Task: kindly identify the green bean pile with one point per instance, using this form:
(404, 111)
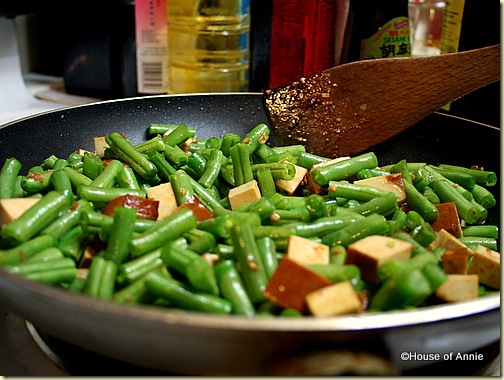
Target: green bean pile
(224, 262)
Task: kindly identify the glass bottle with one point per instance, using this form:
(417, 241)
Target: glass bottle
(378, 29)
(208, 45)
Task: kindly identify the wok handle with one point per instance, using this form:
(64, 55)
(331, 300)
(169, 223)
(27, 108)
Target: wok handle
(333, 362)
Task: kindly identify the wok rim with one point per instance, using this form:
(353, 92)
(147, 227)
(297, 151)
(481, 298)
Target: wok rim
(159, 315)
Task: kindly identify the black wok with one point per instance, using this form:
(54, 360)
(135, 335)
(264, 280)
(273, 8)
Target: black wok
(197, 344)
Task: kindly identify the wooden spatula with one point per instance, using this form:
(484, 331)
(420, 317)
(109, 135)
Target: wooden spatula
(347, 109)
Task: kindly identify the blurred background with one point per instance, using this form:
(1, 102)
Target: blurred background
(107, 49)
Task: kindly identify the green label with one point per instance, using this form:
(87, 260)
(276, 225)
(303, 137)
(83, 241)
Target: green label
(392, 40)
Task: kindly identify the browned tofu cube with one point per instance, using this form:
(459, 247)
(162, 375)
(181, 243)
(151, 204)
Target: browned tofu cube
(458, 287)
(448, 219)
(454, 260)
(336, 299)
(290, 284)
(305, 251)
(372, 251)
(486, 264)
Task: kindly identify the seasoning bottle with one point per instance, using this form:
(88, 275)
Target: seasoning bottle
(303, 38)
(467, 25)
(208, 45)
(378, 29)
(426, 22)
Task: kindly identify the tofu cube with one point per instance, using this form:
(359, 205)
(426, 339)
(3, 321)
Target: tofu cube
(446, 240)
(486, 264)
(246, 193)
(100, 145)
(390, 182)
(448, 219)
(372, 251)
(13, 208)
(305, 251)
(165, 195)
(336, 299)
(287, 290)
(459, 287)
(290, 186)
(454, 261)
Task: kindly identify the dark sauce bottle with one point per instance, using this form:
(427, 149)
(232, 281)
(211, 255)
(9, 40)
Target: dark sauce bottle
(377, 29)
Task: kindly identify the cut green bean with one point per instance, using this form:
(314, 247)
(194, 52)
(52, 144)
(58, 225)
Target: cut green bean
(8, 176)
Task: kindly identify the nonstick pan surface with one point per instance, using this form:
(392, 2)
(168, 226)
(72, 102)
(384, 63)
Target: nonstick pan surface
(197, 344)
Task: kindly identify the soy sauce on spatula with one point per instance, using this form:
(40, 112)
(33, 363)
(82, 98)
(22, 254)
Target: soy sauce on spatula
(347, 109)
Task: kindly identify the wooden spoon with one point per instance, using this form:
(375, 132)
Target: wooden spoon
(347, 109)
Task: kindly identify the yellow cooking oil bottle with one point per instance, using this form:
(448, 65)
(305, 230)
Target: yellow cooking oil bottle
(208, 45)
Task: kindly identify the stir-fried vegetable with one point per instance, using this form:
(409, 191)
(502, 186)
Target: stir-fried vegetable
(232, 225)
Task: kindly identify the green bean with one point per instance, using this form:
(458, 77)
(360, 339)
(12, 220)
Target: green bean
(228, 140)
(483, 197)
(466, 209)
(266, 182)
(49, 162)
(374, 224)
(435, 275)
(100, 281)
(178, 135)
(279, 170)
(206, 196)
(197, 162)
(26, 249)
(182, 297)
(92, 165)
(324, 225)
(343, 169)
(267, 250)
(127, 153)
(164, 168)
(385, 205)
(182, 186)
(417, 247)
(77, 179)
(256, 137)
(485, 230)
(74, 242)
(403, 168)
(198, 272)
(337, 273)
(130, 271)
(420, 203)
(212, 169)
(29, 267)
(155, 143)
(371, 173)
(249, 259)
(107, 178)
(408, 288)
(126, 178)
(136, 292)
(264, 153)
(61, 182)
(485, 241)
(481, 177)
(200, 241)
(165, 230)
(47, 254)
(242, 168)
(8, 177)
(53, 277)
(316, 206)
(35, 219)
(233, 289)
(121, 234)
(175, 155)
(307, 160)
(219, 226)
(37, 182)
(463, 179)
(100, 196)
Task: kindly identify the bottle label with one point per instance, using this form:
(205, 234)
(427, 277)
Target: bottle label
(392, 40)
(452, 25)
(151, 46)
